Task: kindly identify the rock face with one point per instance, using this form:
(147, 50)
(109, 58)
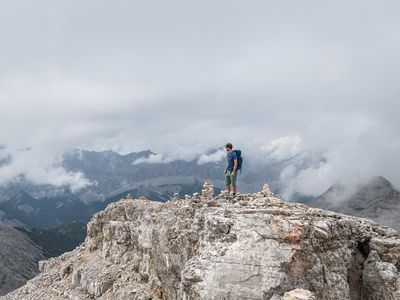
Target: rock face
(254, 246)
(375, 199)
(18, 259)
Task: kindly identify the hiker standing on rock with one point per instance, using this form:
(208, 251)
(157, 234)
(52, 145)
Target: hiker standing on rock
(234, 164)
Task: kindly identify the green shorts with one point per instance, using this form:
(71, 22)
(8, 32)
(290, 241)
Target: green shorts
(230, 179)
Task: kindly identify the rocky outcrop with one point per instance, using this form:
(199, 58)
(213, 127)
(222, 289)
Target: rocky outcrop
(252, 246)
(18, 259)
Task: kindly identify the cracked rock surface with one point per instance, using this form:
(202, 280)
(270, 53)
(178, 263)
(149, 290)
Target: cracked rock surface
(252, 246)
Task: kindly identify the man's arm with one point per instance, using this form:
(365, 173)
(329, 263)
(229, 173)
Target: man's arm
(235, 166)
(235, 161)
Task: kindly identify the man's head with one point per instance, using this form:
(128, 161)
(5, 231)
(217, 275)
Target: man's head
(228, 147)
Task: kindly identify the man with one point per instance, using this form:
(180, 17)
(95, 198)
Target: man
(231, 169)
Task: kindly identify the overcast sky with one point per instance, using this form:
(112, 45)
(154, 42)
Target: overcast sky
(180, 77)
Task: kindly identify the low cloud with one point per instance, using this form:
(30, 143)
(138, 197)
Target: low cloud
(354, 160)
(213, 157)
(152, 159)
(43, 170)
(284, 147)
(284, 82)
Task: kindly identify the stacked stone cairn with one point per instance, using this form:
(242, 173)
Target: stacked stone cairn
(175, 197)
(208, 190)
(266, 190)
(196, 197)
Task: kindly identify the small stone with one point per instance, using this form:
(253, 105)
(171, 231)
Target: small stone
(299, 294)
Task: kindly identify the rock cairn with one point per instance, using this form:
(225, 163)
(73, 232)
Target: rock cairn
(208, 190)
(175, 197)
(266, 189)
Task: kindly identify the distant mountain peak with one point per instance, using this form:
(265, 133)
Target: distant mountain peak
(379, 181)
(343, 188)
(18, 259)
(375, 198)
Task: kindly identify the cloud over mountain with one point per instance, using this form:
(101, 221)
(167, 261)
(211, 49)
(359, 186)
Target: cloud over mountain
(181, 78)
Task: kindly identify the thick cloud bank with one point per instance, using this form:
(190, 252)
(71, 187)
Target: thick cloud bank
(278, 79)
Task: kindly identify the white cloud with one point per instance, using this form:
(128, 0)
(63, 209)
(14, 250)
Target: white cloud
(310, 181)
(160, 77)
(213, 157)
(40, 169)
(284, 147)
(354, 160)
(152, 159)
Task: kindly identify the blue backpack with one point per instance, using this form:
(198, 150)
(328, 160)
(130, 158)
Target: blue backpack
(240, 159)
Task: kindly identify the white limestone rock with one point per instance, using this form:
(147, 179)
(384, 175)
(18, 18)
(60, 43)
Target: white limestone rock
(266, 249)
(299, 294)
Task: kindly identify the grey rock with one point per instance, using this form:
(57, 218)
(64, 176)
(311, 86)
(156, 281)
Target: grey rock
(380, 278)
(18, 259)
(299, 294)
(267, 249)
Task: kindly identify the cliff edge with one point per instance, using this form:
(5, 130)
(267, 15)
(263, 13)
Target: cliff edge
(252, 246)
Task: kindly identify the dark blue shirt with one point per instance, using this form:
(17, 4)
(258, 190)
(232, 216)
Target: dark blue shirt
(231, 156)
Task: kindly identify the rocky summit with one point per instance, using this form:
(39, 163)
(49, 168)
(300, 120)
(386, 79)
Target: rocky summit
(251, 246)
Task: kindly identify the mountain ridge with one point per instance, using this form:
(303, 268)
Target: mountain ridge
(376, 199)
(18, 259)
(251, 246)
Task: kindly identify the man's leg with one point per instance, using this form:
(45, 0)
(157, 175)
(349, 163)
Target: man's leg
(228, 182)
(234, 184)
